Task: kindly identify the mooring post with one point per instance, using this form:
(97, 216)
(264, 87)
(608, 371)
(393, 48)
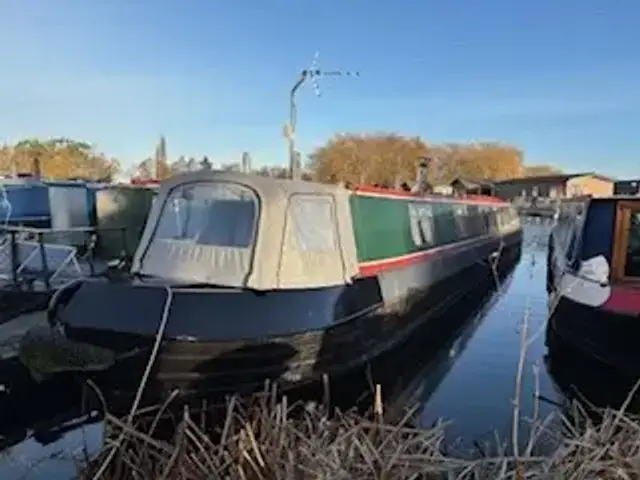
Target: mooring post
(91, 240)
(14, 258)
(43, 260)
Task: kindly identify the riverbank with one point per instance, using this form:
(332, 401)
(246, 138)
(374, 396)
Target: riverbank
(273, 440)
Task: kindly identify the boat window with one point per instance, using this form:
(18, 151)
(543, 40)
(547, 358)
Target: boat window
(444, 223)
(460, 216)
(492, 218)
(209, 213)
(599, 229)
(421, 224)
(484, 217)
(313, 221)
(625, 261)
(475, 221)
(632, 261)
(571, 253)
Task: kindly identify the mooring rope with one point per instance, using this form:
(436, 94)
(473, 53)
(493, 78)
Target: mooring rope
(143, 382)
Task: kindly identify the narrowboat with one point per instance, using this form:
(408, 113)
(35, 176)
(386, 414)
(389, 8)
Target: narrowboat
(593, 275)
(240, 278)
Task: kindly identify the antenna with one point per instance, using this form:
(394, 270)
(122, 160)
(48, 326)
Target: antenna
(313, 73)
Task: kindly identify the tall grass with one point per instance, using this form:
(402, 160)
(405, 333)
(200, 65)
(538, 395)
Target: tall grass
(269, 439)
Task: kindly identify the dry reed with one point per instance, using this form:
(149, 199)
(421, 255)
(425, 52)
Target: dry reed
(269, 439)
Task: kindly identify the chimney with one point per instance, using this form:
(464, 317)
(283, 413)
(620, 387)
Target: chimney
(36, 168)
(422, 186)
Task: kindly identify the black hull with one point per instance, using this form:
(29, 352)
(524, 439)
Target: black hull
(609, 338)
(581, 377)
(218, 368)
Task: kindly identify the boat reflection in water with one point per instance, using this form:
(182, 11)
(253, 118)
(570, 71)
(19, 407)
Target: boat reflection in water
(585, 380)
(408, 375)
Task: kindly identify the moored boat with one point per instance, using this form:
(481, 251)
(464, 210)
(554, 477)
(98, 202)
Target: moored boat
(593, 274)
(239, 278)
(54, 231)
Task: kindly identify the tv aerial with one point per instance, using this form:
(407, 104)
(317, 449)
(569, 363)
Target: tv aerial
(311, 74)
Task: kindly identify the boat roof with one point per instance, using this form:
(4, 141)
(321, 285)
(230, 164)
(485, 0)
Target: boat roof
(617, 197)
(257, 232)
(280, 221)
(391, 192)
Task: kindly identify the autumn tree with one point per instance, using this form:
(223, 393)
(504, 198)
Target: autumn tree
(388, 158)
(57, 158)
(368, 158)
(487, 161)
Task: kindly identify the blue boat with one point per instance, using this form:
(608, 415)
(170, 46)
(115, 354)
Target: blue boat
(24, 201)
(593, 275)
(56, 231)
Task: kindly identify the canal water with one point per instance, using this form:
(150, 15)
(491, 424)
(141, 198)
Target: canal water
(479, 392)
(471, 381)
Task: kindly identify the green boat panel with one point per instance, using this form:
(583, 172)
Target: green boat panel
(390, 226)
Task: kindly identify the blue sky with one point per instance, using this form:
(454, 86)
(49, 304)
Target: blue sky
(560, 79)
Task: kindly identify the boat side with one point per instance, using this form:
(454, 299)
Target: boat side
(594, 276)
(411, 243)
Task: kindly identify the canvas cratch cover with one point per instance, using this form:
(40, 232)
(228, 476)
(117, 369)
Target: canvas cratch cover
(237, 230)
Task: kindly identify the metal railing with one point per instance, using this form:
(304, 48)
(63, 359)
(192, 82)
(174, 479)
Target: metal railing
(29, 245)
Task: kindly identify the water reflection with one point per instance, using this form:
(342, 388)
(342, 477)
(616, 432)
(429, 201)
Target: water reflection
(412, 373)
(479, 392)
(47, 455)
(585, 380)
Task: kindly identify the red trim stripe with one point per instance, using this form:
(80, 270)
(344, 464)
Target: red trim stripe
(394, 193)
(624, 300)
(369, 269)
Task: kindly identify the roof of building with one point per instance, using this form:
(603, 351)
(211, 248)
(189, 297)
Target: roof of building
(560, 178)
(472, 182)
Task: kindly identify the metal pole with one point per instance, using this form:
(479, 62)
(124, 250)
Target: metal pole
(313, 73)
(44, 262)
(15, 263)
(294, 170)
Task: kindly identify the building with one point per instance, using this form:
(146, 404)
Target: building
(443, 189)
(468, 186)
(627, 187)
(555, 186)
